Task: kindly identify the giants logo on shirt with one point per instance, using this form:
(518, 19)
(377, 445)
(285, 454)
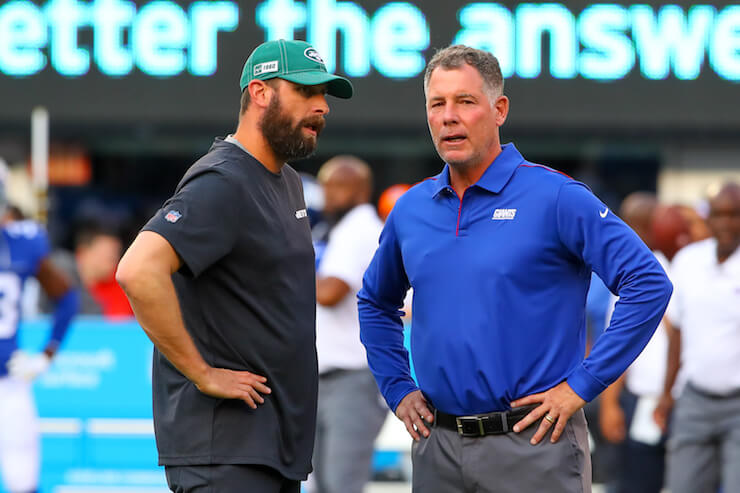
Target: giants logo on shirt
(503, 214)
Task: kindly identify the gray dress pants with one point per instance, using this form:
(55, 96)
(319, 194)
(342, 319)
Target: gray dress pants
(350, 415)
(704, 445)
(449, 463)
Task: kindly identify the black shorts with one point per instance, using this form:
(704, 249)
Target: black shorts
(228, 478)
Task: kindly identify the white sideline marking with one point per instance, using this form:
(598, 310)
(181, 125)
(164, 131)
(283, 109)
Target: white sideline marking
(108, 426)
(60, 426)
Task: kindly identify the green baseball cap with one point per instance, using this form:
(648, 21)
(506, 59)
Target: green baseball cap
(295, 61)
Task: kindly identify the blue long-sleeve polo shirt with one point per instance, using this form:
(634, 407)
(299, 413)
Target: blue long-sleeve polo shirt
(500, 279)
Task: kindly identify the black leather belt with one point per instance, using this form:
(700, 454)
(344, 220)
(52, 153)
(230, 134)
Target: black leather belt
(479, 425)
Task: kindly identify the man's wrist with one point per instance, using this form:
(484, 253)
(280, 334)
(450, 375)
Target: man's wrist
(200, 374)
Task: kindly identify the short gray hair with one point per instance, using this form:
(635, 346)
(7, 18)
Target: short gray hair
(484, 62)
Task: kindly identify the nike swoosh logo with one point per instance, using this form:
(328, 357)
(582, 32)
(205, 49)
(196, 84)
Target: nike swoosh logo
(603, 214)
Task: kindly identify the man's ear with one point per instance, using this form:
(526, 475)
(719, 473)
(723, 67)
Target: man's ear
(502, 110)
(260, 93)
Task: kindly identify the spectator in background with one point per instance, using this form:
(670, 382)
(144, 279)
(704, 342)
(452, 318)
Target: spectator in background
(704, 447)
(626, 407)
(351, 410)
(92, 266)
(97, 252)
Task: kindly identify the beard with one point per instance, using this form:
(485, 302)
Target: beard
(286, 140)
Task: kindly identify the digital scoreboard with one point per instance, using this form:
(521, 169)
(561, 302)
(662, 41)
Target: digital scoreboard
(611, 66)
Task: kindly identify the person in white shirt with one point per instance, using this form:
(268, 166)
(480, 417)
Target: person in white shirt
(351, 411)
(704, 446)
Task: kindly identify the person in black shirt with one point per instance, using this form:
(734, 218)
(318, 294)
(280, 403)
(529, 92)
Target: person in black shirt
(222, 281)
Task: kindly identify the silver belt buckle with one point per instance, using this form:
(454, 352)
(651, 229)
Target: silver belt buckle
(476, 419)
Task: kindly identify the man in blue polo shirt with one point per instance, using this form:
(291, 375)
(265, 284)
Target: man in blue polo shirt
(499, 252)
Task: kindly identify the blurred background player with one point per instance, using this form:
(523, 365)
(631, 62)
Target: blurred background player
(351, 411)
(24, 252)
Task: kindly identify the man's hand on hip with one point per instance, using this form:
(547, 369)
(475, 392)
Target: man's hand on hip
(556, 407)
(230, 384)
(413, 411)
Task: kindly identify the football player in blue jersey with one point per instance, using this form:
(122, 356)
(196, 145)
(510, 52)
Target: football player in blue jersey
(24, 252)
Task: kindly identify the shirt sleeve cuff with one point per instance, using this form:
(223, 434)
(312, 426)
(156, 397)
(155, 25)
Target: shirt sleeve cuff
(584, 384)
(398, 393)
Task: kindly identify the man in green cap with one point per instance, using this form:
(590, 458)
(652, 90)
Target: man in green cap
(222, 281)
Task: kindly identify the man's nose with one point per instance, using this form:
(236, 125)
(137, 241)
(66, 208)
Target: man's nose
(321, 106)
(450, 114)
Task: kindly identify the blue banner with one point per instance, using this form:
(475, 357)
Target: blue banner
(95, 410)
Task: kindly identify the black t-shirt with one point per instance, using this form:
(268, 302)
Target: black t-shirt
(247, 295)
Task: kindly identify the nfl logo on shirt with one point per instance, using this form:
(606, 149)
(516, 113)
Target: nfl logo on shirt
(504, 214)
(172, 216)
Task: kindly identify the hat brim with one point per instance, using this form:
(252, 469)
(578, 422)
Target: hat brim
(336, 86)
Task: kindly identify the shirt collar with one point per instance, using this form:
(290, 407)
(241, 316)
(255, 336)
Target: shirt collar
(495, 177)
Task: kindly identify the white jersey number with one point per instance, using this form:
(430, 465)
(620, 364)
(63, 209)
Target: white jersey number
(10, 293)
(22, 229)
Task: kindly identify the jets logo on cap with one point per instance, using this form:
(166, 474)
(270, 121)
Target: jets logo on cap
(312, 54)
(264, 68)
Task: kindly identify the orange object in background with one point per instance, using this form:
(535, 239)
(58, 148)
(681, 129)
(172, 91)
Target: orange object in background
(69, 166)
(389, 197)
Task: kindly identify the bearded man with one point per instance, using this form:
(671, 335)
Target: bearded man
(222, 281)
